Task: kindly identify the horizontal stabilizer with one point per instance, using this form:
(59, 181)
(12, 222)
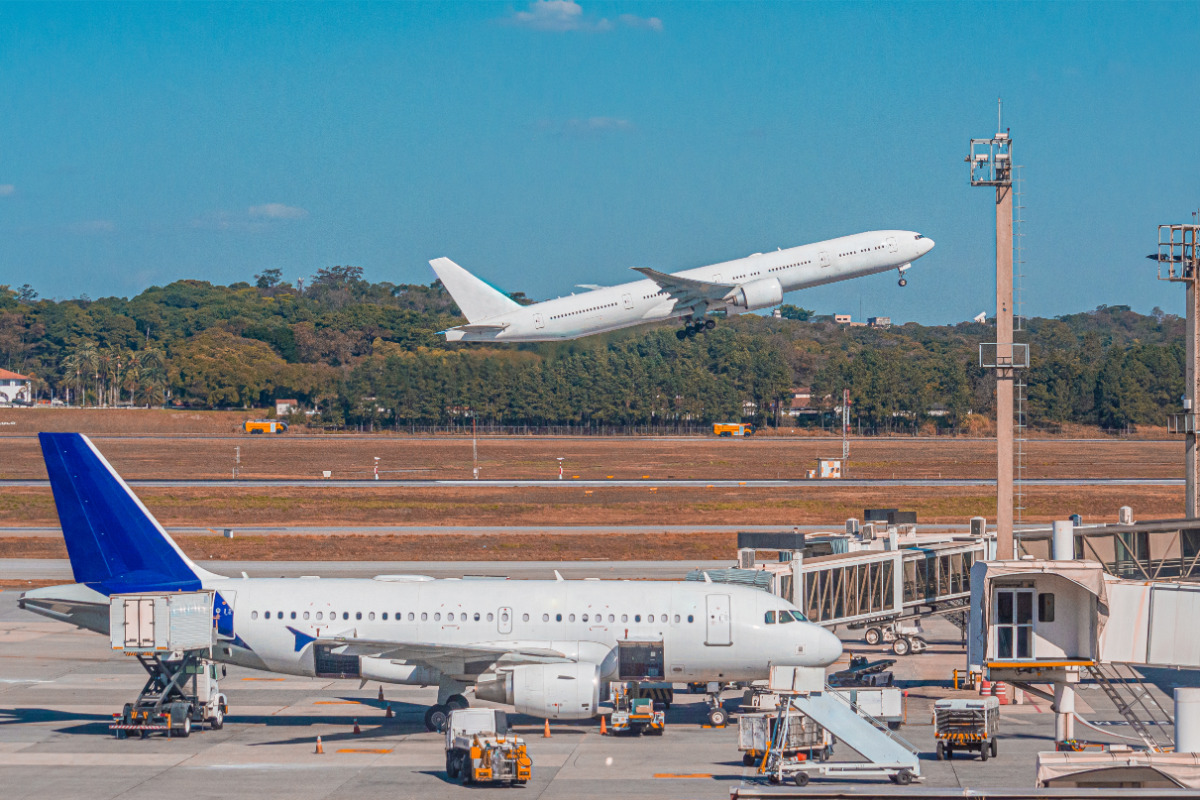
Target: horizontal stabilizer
(476, 299)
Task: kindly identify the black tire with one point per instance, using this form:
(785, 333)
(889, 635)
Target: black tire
(903, 778)
(455, 701)
(709, 324)
(689, 332)
(873, 636)
(717, 717)
(904, 282)
(800, 779)
(184, 730)
(681, 334)
(748, 760)
(901, 647)
(217, 720)
(949, 752)
(773, 779)
(995, 748)
(436, 717)
(941, 751)
(983, 753)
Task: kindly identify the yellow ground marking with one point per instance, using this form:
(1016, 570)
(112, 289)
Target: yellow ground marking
(364, 750)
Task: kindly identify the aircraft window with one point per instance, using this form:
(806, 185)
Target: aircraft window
(477, 616)
(306, 615)
(358, 615)
(624, 618)
(266, 615)
(504, 617)
(524, 618)
(676, 618)
(253, 615)
(690, 619)
(450, 616)
(611, 618)
(345, 615)
(384, 617)
(545, 617)
(637, 617)
(424, 616)
(570, 618)
(558, 617)
(489, 617)
(371, 615)
(278, 615)
(293, 615)
(785, 617)
(769, 617)
(437, 616)
(650, 618)
(320, 615)
(411, 616)
(585, 616)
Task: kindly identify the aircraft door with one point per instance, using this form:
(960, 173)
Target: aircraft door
(627, 299)
(504, 620)
(719, 624)
(891, 243)
(538, 322)
(223, 612)
(823, 257)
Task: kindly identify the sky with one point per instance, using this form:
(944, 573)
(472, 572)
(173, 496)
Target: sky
(547, 144)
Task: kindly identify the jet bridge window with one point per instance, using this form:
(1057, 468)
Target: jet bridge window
(1045, 605)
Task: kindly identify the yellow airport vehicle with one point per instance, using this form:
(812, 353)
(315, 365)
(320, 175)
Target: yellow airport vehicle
(634, 713)
(733, 429)
(264, 426)
(966, 724)
(480, 749)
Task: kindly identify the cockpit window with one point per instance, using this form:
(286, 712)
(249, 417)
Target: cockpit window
(919, 236)
(785, 616)
(769, 617)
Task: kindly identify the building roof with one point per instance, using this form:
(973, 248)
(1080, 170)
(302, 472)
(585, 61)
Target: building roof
(13, 376)
(286, 400)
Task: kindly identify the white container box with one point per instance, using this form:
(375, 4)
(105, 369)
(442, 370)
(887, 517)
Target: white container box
(161, 621)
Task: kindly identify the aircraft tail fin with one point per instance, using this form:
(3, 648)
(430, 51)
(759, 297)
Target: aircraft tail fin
(115, 544)
(477, 299)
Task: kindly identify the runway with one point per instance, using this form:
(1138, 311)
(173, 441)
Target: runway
(623, 483)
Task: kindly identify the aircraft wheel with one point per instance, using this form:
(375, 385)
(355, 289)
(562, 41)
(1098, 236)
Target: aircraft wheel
(873, 636)
(689, 332)
(901, 647)
(681, 334)
(903, 282)
(436, 718)
(457, 701)
(709, 324)
(717, 717)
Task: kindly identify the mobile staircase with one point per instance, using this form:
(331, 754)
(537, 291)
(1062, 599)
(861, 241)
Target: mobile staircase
(1136, 703)
(887, 754)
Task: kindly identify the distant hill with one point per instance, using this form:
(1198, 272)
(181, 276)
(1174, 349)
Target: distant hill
(369, 352)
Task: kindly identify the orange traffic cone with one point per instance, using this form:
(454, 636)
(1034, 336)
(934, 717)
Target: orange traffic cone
(380, 691)
(603, 726)
(985, 688)
(356, 728)
(320, 749)
(388, 714)
(546, 732)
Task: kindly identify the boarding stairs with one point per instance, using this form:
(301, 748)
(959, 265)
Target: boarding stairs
(862, 733)
(1136, 703)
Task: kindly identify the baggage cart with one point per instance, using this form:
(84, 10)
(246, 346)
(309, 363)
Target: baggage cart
(966, 724)
(796, 734)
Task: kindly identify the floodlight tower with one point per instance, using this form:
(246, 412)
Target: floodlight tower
(991, 165)
(1179, 261)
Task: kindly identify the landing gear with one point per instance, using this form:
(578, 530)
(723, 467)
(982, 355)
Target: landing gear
(692, 328)
(437, 717)
(903, 282)
(455, 701)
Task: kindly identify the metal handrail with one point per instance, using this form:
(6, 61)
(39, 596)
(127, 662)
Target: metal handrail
(882, 726)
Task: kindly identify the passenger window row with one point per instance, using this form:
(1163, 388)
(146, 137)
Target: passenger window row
(463, 616)
(583, 311)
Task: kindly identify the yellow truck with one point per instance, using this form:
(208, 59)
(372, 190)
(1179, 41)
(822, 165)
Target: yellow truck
(481, 749)
(733, 429)
(264, 426)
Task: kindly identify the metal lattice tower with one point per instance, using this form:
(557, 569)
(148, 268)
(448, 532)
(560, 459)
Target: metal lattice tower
(1179, 261)
(1021, 419)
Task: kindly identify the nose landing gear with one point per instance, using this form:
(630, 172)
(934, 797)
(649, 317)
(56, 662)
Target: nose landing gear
(903, 281)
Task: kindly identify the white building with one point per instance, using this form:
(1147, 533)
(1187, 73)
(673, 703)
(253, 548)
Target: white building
(15, 388)
(285, 407)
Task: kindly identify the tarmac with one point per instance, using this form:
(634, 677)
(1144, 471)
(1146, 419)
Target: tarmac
(775, 483)
(59, 687)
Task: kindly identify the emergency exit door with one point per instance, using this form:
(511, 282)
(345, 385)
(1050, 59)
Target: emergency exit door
(718, 633)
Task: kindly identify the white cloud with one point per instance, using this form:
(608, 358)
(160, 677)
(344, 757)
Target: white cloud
(6, 189)
(277, 211)
(559, 16)
(91, 227)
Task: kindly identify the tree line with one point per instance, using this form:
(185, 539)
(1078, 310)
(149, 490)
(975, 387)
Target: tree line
(369, 353)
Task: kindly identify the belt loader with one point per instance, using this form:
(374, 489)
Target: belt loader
(480, 749)
(633, 713)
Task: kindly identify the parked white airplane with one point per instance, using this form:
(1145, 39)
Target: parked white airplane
(545, 647)
(735, 287)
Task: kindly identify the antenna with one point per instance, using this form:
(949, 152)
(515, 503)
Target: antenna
(999, 113)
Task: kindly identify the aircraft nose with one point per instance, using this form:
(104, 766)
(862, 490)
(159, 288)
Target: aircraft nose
(926, 245)
(829, 648)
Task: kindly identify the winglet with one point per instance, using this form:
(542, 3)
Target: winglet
(706, 578)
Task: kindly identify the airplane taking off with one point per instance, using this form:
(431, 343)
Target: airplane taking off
(544, 647)
(735, 287)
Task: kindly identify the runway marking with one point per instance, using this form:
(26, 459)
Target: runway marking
(336, 703)
(363, 750)
(263, 679)
(683, 775)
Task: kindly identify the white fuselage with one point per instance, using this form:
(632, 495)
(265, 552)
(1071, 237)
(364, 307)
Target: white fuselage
(623, 306)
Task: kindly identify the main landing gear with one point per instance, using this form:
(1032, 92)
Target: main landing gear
(692, 328)
(438, 715)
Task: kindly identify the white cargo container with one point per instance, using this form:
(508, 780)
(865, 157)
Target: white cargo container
(161, 622)
(884, 703)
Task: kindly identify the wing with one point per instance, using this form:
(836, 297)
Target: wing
(453, 659)
(689, 292)
(480, 327)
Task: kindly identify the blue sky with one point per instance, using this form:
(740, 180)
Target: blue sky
(552, 144)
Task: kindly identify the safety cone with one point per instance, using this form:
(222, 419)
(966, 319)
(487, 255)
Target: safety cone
(546, 731)
(389, 714)
(603, 726)
(356, 728)
(985, 688)
(320, 750)
(380, 691)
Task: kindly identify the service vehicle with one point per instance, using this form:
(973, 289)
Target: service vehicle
(480, 748)
(635, 713)
(733, 429)
(966, 724)
(795, 734)
(264, 426)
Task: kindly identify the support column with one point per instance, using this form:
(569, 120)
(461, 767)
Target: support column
(1004, 375)
(1191, 506)
(1064, 712)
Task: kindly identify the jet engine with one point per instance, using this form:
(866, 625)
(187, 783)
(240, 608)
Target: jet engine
(762, 293)
(552, 691)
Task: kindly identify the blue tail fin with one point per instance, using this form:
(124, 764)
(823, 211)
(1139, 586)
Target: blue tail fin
(115, 544)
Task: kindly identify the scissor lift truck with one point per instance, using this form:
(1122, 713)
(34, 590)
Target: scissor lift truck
(170, 634)
(480, 749)
(635, 714)
(966, 724)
